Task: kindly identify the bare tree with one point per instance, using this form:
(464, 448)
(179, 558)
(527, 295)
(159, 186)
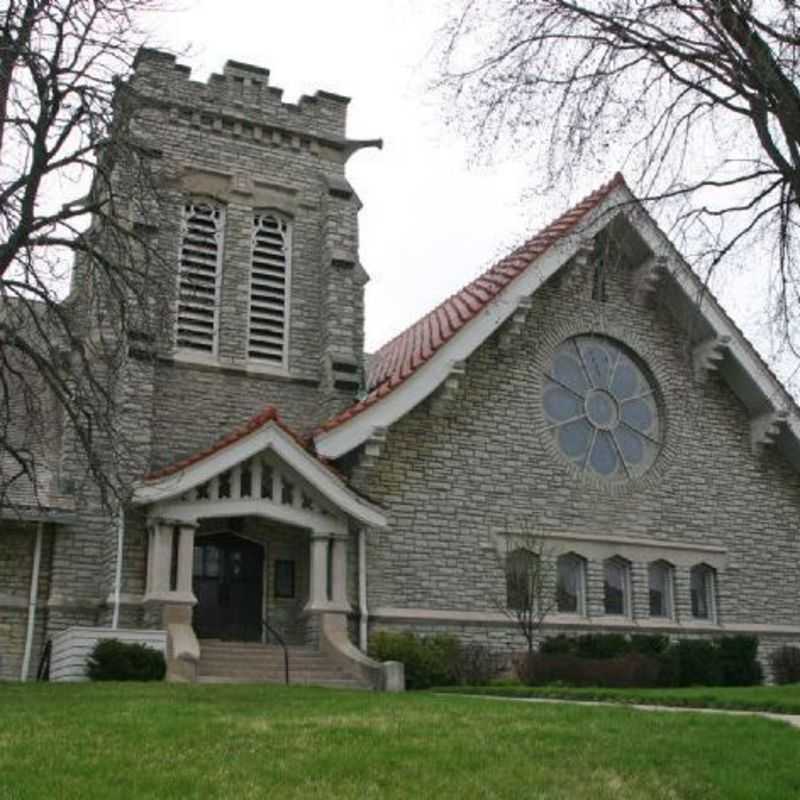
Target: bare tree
(76, 277)
(697, 102)
(530, 577)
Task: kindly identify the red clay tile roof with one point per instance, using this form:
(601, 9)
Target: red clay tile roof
(397, 360)
(268, 414)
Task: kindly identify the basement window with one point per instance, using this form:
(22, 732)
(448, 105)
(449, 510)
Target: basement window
(269, 286)
(199, 270)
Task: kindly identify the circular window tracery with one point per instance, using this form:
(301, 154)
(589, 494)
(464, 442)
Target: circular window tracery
(601, 408)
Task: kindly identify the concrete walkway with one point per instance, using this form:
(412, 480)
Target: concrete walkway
(789, 719)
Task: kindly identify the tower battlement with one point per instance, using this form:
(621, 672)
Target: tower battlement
(242, 92)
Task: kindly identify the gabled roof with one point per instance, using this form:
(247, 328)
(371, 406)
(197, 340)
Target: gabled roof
(414, 364)
(267, 414)
(169, 487)
(400, 358)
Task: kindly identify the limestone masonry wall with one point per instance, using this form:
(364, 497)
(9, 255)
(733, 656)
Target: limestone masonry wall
(452, 482)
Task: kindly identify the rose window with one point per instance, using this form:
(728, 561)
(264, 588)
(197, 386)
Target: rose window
(601, 409)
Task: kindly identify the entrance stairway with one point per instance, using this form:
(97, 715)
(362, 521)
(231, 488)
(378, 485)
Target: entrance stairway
(253, 662)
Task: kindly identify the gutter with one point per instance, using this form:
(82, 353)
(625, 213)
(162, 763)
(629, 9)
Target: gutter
(118, 569)
(34, 593)
(362, 590)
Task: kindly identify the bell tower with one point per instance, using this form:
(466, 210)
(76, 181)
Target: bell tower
(261, 224)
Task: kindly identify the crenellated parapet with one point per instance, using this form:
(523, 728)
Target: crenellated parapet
(241, 103)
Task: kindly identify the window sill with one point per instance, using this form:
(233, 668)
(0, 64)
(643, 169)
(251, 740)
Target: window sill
(238, 365)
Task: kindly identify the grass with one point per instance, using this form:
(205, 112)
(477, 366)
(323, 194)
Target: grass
(777, 699)
(177, 741)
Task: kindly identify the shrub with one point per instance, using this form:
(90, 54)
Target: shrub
(602, 645)
(785, 663)
(738, 662)
(605, 645)
(609, 657)
(429, 661)
(561, 644)
(629, 670)
(649, 644)
(112, 660)
(475, 665)
(698, 663)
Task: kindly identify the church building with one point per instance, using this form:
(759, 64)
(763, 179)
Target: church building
(586, 390)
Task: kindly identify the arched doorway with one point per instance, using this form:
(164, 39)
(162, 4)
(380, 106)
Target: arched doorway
(228, 582)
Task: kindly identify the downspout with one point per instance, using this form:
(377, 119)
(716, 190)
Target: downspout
(362, 590)
(118, 570)
(34, 593)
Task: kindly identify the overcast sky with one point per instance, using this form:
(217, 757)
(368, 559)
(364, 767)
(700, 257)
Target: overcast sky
(430, 221)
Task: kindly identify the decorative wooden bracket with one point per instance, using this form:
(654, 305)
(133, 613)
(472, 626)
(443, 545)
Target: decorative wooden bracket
(707, 355)
(647, 278)
(515, 323)
(584, 254)
(764, 429)
(443, 401)
(373, 448)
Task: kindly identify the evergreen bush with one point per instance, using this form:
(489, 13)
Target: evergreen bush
(785, 663)
(113, 660)
(738, 661)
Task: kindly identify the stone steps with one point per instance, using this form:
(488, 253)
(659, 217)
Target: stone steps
(253, 662)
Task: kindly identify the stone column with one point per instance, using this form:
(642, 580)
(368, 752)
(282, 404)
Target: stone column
(172, 608)
(159, 560)
(186, 558)
(339, 569)
(318, 568)
(160, 594)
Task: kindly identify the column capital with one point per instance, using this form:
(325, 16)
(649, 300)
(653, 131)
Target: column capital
(326, 534)
(172, 523)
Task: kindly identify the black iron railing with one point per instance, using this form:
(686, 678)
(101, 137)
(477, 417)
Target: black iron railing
(282, 643)
(43, 672)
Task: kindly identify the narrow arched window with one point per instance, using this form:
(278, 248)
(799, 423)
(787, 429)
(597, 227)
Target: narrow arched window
(702, 586)
(269, 289)
(199, 273)
(522, 571)
(659, 577)
(616, 586)
(570, 582)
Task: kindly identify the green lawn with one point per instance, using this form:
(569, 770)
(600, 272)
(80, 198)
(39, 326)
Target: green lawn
(172, 741)
(779, 699)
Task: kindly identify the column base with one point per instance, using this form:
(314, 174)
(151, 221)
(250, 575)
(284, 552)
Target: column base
(183, 649)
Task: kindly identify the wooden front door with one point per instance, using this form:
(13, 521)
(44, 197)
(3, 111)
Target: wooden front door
(229, 586)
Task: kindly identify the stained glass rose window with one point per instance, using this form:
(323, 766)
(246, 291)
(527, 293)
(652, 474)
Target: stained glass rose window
(600, 408)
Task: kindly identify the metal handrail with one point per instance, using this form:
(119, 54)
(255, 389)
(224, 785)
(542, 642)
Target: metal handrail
(43, 672)
(282, 643)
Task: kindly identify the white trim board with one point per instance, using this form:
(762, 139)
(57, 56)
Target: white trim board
(268, 437)
(642, 624)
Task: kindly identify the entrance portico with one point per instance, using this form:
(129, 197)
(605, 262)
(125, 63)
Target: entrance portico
(260, 474)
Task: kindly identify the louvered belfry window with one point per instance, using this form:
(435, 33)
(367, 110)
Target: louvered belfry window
(269, 282)
(200, 264)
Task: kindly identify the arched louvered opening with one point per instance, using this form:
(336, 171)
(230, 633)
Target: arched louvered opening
(198, 276)
(269, 286)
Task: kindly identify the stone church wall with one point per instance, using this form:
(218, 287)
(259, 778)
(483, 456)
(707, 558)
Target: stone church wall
(453, 481)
